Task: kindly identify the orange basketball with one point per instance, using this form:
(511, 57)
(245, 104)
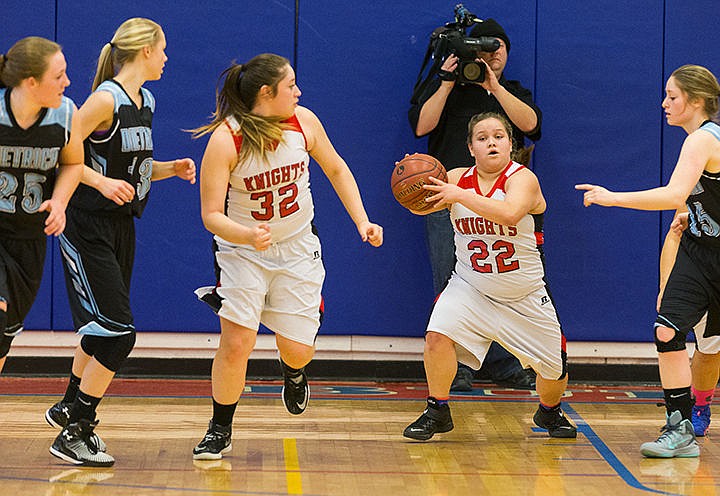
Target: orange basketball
(409, 176)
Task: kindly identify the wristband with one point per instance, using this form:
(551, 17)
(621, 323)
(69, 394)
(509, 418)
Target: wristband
(446, 75)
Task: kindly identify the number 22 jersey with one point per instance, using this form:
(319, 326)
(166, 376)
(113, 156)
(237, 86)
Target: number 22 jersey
(502, 262)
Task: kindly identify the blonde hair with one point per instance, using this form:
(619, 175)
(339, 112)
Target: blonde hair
(131, 37)
(238, 96)
(698, 83)
(27, 58)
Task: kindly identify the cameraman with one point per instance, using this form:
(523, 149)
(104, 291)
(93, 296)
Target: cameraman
(443, 111)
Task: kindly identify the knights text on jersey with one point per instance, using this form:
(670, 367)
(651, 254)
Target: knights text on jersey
(275, 190)
(502, 262)
(125, 151)
(28, 164)
(704, 202)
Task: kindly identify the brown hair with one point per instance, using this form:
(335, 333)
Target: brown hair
(131, 37)
(521, 155)
(27, 58)
(237, 97)
(698, 83)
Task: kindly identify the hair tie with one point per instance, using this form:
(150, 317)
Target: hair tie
(5, 58)
(112, 45)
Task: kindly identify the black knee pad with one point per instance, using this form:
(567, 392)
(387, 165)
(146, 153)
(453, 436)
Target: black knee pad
(677, 343)
(112, 351)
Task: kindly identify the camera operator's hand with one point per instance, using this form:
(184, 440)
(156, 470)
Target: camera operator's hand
(447, 70)
(490, 83)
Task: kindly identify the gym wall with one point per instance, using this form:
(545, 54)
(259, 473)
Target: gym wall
(597, 71)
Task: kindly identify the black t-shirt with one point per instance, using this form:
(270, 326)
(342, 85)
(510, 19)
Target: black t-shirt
(124, 152)
(448, 141)
(28, 164)
(703, 203)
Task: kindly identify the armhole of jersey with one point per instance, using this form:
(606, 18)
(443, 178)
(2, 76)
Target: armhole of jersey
(234, 128)
(712, 128)
(148, 99)
(294, 125)
(69, 110)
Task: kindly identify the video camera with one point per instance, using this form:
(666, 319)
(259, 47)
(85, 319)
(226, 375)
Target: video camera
(451, 39)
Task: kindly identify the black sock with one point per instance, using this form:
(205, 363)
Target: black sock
(223, 414)
(679, 399)
(72, 389)
(550, 409)
(436, 403)
(292, 373)
(83, 407)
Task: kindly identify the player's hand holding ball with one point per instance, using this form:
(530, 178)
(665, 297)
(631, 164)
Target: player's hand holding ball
(409, 177)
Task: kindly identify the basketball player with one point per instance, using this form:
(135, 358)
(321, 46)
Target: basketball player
(497, 291)
(705, 363)
(98, 246)
(255, 196)
(40, 166)
(691, 290)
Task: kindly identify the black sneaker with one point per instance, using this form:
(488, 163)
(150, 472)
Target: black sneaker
(555, 422)
(58, 416)
(522, 379)
(295, 391)
(434, 420)
(217, 441)
(463, 381)
(74, 444)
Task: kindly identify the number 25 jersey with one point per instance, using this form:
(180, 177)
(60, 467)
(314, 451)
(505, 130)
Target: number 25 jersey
(502, 262)
(28, 164)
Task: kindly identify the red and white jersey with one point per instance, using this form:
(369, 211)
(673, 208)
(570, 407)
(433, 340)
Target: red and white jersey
(502, 262)
(276, 189)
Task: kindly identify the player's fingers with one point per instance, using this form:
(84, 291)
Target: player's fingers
(586, 187)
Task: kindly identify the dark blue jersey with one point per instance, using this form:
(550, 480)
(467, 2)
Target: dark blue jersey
(704, 203)
(28, 164)
(125, 151)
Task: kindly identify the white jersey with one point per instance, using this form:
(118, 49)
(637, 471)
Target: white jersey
(276, 189)
(502, 262)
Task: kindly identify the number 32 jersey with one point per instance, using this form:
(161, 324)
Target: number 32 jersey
(502, 262)
(28, 164)
(276, 189)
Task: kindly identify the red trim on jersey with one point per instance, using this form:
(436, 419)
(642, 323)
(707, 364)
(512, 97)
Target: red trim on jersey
(468, 180)
(500, 182)
(293, 124)
(237, 138)
(539, 238)
(563, 342)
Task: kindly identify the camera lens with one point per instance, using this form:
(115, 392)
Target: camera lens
(474, 72)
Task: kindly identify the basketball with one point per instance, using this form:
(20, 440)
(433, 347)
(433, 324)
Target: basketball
(409, 176)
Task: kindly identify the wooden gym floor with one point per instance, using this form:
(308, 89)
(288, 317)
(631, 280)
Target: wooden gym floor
(349, 442)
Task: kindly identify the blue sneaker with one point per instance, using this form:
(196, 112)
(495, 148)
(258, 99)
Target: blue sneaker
(701, 419)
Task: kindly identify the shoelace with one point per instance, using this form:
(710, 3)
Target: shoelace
(213, 436)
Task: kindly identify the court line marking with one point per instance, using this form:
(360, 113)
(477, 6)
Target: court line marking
(292, 467)
(607, 454)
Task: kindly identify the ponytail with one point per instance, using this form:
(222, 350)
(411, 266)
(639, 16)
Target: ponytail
(241, 85)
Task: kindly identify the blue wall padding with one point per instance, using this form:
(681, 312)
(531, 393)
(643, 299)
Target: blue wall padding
(597, 71)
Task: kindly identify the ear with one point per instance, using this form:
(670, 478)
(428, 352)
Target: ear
(471, 150)
(265, 91)
(147, 50)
